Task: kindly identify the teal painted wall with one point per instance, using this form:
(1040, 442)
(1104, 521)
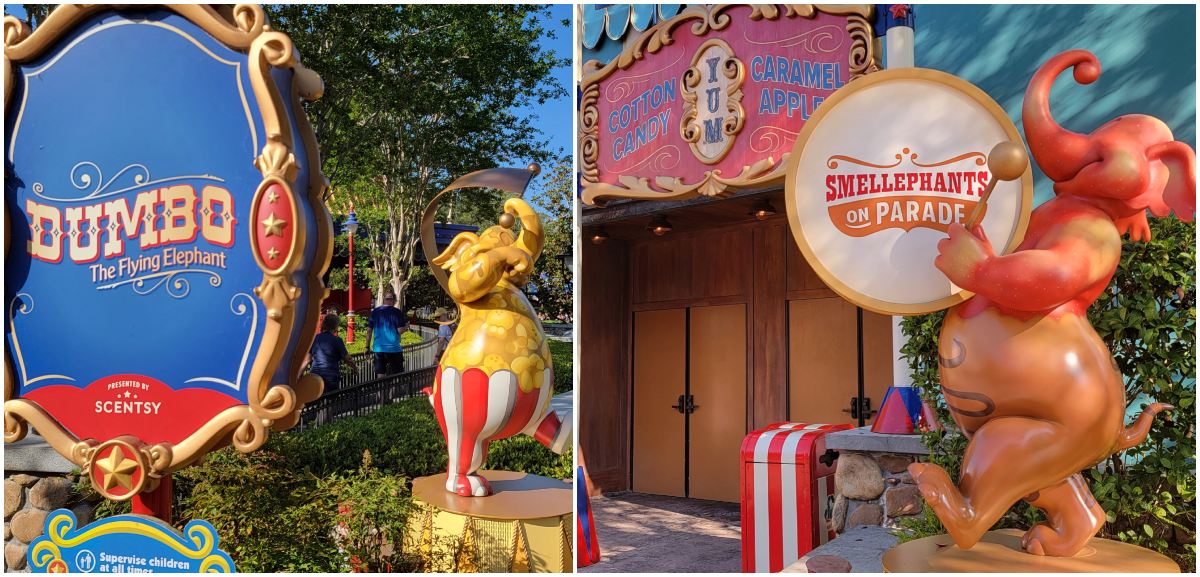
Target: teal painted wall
(1147, 56)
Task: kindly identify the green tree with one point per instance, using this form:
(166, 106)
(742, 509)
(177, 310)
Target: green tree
(415, 97)
(552, 280)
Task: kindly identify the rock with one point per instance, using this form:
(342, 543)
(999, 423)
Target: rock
(893, 463)
(14, 556)
(7, 532)
(858, 477)
(827, 564)
(50, 493)
(23, 479)
(903, 500)
(14, 498)
(866, 514)
(839, 513)
(27, 524)
(84, 512)
(906, 478)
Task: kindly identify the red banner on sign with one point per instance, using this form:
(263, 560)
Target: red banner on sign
(716, 104)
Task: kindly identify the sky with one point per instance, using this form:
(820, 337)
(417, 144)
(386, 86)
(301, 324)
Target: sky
(554, 117)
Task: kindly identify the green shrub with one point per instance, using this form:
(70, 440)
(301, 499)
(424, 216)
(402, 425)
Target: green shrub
(277, 509)
(270, 516)
(562, 358)
(373, 513)
(1148, 320)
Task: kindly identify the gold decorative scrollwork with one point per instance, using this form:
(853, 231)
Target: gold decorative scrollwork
(703, 19)
(691, 127)
(243, 27)
(862, 47)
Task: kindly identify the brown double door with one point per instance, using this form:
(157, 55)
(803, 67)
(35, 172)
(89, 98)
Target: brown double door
(689, 401)
(823, 361)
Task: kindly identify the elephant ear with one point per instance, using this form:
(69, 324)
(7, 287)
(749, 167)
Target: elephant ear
(449, 257)
(1179, 193)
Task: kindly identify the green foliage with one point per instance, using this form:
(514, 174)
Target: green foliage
(1148, 320)
(551, 281)
(270, 516)
(562, 361)
(374, 510)
(524, 453)
(416, 96)
(332, 497)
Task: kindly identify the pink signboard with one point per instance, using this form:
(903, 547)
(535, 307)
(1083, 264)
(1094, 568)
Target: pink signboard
(714, 98)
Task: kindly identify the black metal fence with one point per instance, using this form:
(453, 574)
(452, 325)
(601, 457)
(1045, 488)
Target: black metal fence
(362, 365)
(360, 399)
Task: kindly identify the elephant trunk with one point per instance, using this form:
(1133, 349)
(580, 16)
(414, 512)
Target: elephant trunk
(531, 238)
(1059, 152)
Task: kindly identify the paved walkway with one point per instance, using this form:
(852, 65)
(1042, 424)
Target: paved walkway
(641, 533)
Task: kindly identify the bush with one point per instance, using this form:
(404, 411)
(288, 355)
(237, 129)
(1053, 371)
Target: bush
(562, 358)
(1148, 320)
(330, 498)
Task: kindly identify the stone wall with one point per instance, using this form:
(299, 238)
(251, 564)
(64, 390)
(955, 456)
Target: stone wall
(36, 481)
(873, 487)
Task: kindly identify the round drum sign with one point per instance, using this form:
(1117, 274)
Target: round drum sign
(881, 171)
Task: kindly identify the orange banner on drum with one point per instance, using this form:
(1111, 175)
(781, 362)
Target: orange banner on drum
(868, 216)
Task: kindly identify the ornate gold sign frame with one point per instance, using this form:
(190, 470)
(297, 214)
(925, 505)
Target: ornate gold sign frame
(733, 69)
(703, 19)
(244, 28)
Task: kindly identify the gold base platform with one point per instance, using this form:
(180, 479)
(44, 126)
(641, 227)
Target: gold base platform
(526, 525)
(1001, 552)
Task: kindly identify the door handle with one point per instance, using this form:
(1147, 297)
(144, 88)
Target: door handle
(866, 409)
(686, 405)
(860, 406)
(682, 404)
(853, 410)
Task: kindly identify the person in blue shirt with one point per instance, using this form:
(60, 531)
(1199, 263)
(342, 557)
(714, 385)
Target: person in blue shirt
(385, 326)
(327, 354)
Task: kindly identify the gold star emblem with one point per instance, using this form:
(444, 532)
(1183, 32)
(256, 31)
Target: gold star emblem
(117, 469)
(272, 254)
(272, 197)
(274, 225)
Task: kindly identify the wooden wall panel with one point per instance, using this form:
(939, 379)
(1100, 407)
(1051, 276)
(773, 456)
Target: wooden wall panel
(802, 281)
(768, 392)
(721, 263)
(662, 269)
(603, 388)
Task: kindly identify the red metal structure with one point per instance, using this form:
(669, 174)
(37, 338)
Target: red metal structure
(787, 494)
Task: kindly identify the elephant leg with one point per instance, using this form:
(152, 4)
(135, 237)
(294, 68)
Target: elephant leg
(1073, 517)
(1007, 459)
(554, 433)
(462, 404)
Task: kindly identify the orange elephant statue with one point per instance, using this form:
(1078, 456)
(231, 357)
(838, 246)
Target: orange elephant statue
(1024, 374)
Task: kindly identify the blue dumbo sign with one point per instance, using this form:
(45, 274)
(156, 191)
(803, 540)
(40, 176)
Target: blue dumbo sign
(126, 544)
(166, 235)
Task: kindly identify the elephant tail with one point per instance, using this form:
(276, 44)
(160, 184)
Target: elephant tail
(1136, 433)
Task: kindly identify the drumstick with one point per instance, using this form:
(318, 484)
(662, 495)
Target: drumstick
(1006, 161)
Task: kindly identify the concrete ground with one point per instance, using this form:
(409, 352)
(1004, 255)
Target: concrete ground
(641, 533)
(863, 547)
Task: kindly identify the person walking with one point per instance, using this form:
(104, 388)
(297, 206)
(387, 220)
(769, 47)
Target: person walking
(327, 354)
(445, 330)
(384, 327)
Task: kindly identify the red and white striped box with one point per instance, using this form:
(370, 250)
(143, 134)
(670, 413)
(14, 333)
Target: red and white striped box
(787, 494)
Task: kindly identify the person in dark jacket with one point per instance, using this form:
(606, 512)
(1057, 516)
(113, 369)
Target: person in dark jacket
(327, 354)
